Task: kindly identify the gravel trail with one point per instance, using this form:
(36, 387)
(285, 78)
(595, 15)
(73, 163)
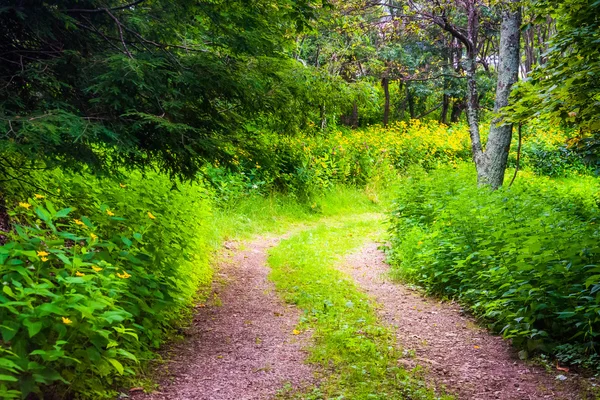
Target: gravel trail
(241, 344)
(455, 353)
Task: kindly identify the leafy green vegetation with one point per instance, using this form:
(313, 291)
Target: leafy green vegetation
(358, 355)
(524, 258)
(136, 136)
(90, 292)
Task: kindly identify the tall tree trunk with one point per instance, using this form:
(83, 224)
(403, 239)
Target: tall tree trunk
(354, 118)
(445, 106)
(491, 164)
(385, 83)
(410, 99)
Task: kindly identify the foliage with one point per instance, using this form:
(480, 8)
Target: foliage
(159, 83)
(565, 86)
(90, 292)
(308, 164)
(550, 150)
(524, 258)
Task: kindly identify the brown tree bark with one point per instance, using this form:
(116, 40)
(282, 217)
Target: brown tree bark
(354, 117)
(385, 83)
(457, 108)
(445, 106)
(491, 163)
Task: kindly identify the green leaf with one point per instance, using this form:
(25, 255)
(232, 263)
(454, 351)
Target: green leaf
(48, 308)
(8, 378)
(9, 329)
(118, 366)
(126, 241)
(9, 291)
(63, 213)
(33, 327)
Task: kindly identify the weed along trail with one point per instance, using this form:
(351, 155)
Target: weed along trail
(452, 349)
(241, 345)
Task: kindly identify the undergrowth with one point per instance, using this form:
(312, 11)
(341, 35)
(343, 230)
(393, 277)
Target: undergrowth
(525, 258)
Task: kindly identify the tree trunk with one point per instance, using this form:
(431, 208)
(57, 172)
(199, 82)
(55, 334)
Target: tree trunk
(385, 83)
(445, 106)
(411, 102)
(354, 118)
(457, 108)
(491, 164)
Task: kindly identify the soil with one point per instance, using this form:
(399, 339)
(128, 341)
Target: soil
(448, 344)
(241, 344)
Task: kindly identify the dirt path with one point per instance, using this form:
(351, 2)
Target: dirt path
(241, 345)
(455, 353)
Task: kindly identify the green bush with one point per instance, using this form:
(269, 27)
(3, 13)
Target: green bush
(89, 292)
(526, 259)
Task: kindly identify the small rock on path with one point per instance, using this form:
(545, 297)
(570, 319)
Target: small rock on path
(240, 347)
(455, 352)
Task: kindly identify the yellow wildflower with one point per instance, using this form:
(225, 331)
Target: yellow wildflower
(110, 213)
(44, 259)
(25, 205)
(122, 185)
(93, 236)
(78, 222)
(97, 269)
(66, 321)
(42, 253)
(296, 332)
(150, 215)
(124, 275)
(39, 196)
(79, 273)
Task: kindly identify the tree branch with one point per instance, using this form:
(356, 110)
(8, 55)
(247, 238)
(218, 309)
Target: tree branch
(99, 10)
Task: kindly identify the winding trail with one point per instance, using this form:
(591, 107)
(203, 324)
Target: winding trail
(456, 353)
(241, 344)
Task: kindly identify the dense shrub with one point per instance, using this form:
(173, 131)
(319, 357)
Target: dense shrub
(550, 150)
(526, 258)
(88, 292)
(308, 164)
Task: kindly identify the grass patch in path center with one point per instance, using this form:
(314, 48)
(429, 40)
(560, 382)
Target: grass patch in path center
(357, 355)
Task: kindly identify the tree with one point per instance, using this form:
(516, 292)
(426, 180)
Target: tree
(565, 85)
(159, 84)
(491, 161)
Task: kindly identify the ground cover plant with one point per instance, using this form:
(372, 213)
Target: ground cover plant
(523, 258)
(356, 352)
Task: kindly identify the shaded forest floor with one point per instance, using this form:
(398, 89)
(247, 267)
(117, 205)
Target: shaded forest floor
(258, 337)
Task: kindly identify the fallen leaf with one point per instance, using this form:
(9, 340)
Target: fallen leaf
(558, 367)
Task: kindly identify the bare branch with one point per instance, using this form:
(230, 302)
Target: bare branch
(119, 25)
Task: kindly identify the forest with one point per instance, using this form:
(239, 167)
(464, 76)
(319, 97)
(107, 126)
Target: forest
(299, 199)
